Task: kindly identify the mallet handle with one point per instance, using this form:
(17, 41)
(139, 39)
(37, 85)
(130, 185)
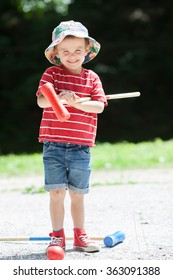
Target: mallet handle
(111, 96)
(37, 238)
(123, 95)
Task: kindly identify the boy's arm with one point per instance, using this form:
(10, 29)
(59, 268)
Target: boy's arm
(42, 101)
(91, 106)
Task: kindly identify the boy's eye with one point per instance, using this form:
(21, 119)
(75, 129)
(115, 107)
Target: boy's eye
(65, 52)
(76, 52)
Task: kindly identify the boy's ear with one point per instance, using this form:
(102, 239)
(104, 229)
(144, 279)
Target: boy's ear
(56, 52)
(87, 50)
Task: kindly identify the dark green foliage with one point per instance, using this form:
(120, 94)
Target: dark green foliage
(136, 55)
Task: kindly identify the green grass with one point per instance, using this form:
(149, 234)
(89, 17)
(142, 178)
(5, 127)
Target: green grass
(20, 165)
(130, 155)
(104, 156)
(33, 190)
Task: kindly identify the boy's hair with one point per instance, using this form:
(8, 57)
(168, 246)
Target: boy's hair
(72, 36)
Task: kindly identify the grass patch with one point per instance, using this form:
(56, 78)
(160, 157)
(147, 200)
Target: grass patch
(33, 190)
(21, 165)
(113, 183)
(130, 155)
(123, 155)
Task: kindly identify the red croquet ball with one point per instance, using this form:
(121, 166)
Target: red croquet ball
(55, 253)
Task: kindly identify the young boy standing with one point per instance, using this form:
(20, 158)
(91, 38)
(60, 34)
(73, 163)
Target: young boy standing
(66, 145)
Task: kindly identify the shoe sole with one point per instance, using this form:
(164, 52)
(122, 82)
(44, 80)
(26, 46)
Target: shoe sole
(88, 249)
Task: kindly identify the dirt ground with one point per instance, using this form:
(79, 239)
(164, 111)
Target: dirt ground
(137, 202)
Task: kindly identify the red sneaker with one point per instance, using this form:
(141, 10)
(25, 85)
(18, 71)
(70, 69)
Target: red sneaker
(83, 243)
(57, 239)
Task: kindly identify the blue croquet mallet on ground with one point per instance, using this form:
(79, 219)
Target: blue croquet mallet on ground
(114, 239)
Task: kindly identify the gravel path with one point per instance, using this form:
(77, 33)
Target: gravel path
(138, 202)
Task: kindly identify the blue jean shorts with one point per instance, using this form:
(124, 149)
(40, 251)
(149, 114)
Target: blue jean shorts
(66, 166)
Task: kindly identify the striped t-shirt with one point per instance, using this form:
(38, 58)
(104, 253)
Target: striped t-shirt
(81, 127)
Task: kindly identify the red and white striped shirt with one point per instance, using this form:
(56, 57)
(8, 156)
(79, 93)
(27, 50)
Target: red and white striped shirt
(81, 127)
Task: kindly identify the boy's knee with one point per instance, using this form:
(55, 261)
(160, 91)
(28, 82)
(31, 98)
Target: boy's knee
(76, 196)
(57, 195)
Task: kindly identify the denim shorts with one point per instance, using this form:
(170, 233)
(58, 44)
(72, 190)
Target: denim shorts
(66, 166)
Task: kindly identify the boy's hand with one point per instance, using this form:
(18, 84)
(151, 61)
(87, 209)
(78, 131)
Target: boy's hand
(69, 96)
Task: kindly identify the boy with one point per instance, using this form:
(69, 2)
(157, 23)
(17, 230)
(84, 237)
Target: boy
(66, 145)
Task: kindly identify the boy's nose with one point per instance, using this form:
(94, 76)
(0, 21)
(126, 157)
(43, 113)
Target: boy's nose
(72, 54)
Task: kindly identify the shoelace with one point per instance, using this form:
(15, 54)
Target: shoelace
(84, 238)
(56, 240)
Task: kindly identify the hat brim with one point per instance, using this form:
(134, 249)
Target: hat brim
(94, 48)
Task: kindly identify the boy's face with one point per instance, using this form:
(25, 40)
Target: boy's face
(72, 51)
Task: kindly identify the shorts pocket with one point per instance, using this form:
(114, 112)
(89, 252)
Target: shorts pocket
(85, 151)
(47, 146)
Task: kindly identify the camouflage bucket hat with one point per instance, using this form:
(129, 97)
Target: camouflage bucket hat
(75, 29)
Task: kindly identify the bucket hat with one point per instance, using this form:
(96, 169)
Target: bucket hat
(73, 28)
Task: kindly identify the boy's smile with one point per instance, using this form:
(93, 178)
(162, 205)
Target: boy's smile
(72, 51)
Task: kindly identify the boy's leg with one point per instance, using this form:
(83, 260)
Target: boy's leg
(77, 209)
(57, 208)
(81, 240)
(57, 218)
